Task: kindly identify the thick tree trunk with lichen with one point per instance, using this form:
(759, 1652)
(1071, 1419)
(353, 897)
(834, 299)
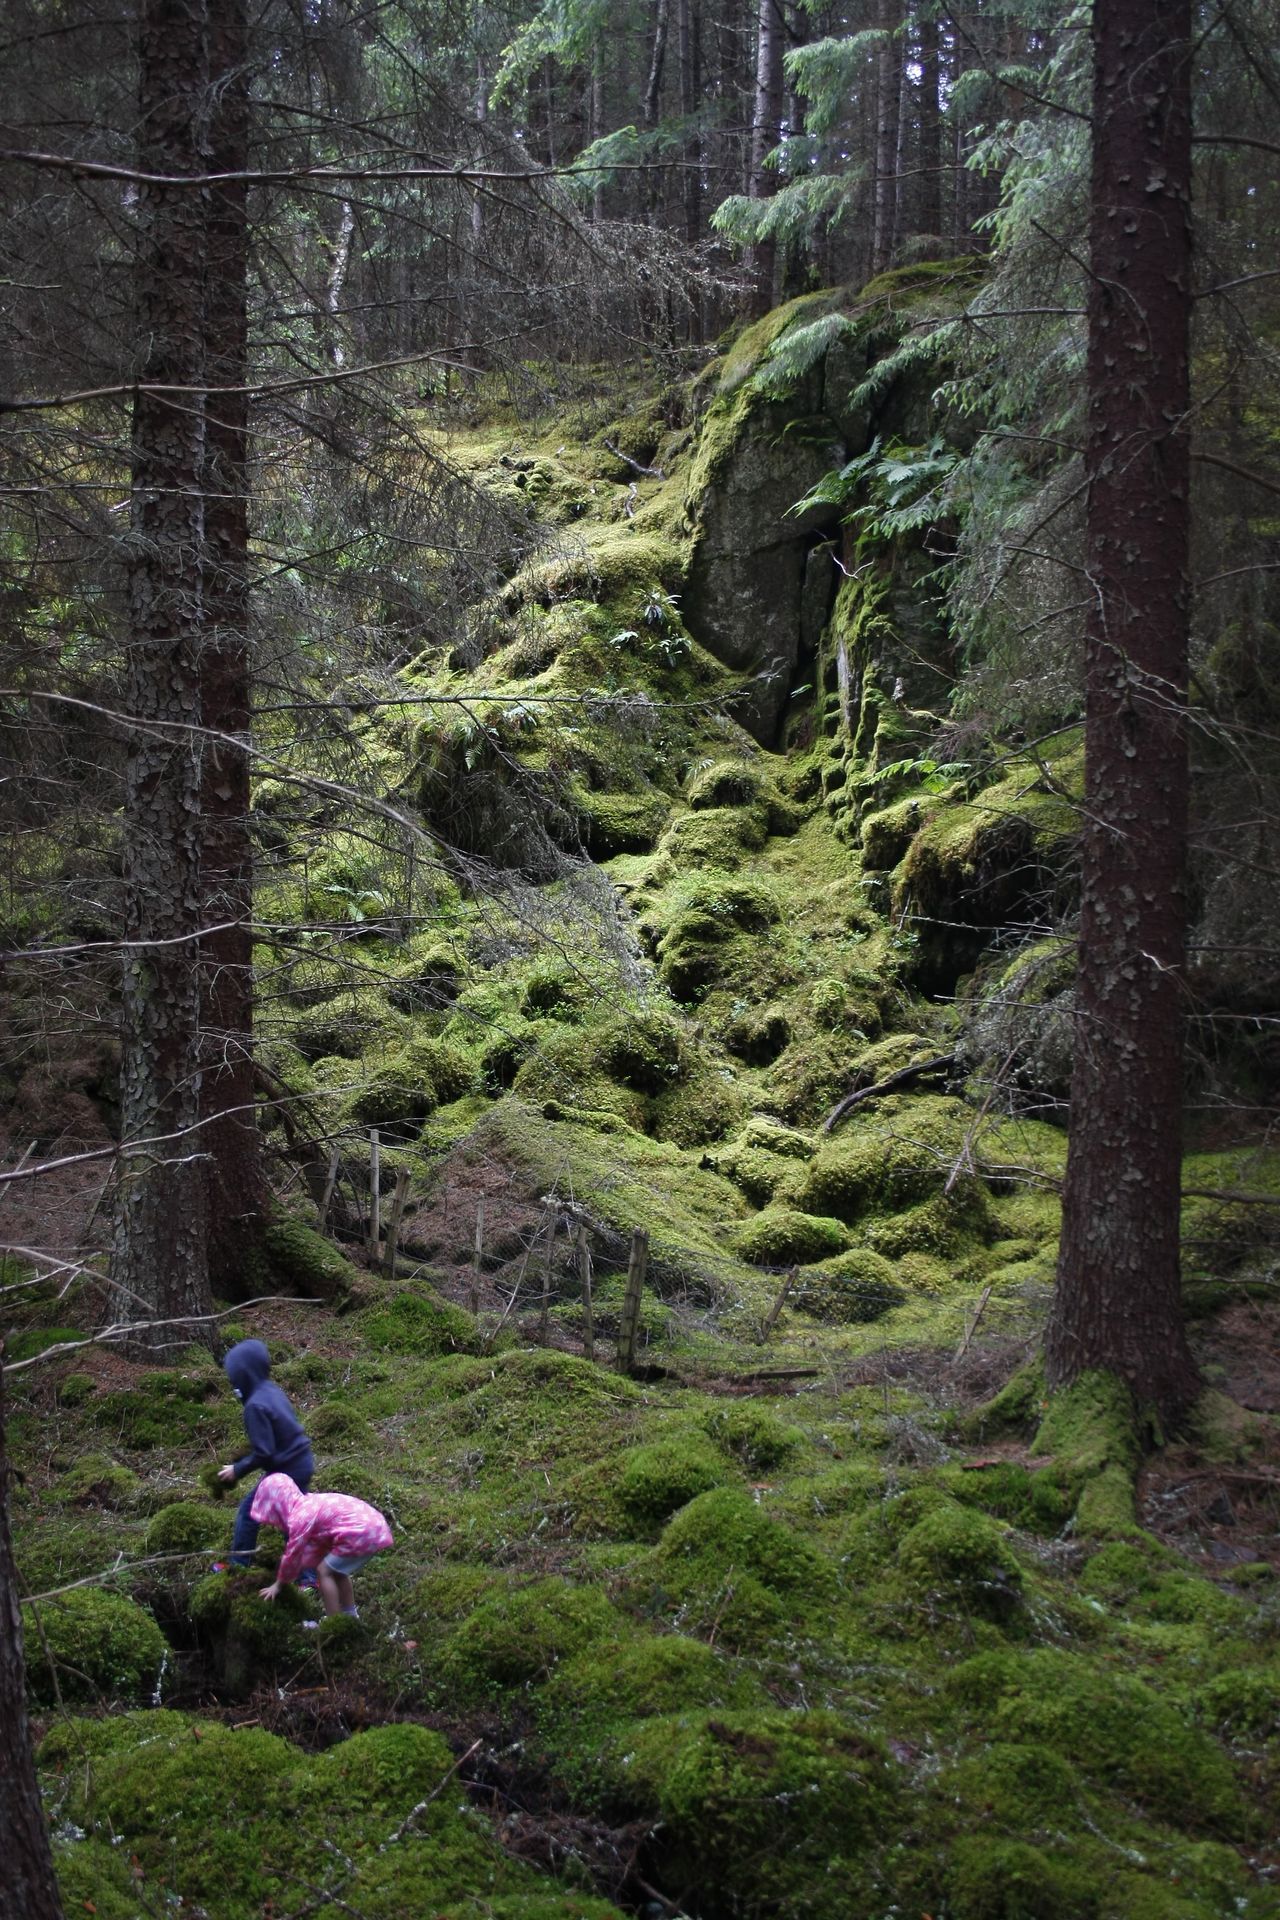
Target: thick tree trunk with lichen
(159, 1260)
(1118, 1304)
(235, 1187)
(28, 1890)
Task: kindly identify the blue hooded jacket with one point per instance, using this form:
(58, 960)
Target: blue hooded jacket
(277, 1441)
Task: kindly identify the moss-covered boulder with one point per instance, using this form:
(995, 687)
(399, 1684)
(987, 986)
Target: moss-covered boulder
(90, 1645)
(724, 1565)
(852, 1287)
(517, 1639)
(1109, 1724)
(251, 1639)
(419, 1323)
(766, 1813)
(96, 1480)
(189, 1528)
(367, 1822)
(781, 1236)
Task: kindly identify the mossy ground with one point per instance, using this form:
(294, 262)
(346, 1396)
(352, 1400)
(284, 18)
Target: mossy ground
(806, 1618)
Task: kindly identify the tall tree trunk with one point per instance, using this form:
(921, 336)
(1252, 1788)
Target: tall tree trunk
(766, 126)
(929, 200)
(235, 1187)
(657, 61)
(1118, 1302)
(28, 1890)
(159, 1260)
(888, 96)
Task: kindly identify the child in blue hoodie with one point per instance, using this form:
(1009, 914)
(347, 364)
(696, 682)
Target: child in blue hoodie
(277, 1443)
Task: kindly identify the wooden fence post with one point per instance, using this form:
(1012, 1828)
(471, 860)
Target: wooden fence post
(771, 1318)
(637, 1267)
(583, 1250)
(477, 1256)
(553, 1224)
(393, 1229)
(375, 1196)
(330, 1182)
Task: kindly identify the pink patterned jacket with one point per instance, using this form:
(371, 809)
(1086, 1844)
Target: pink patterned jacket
(316, 1523)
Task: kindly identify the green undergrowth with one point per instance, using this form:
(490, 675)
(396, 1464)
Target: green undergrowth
(786, 1620)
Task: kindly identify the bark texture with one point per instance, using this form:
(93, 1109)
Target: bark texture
(28, 1890)
(1118, 1302)
(159, 1266)
(766, 129)
(235, 1187)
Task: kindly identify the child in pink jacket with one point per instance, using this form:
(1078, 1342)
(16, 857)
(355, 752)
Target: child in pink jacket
(331, 1532)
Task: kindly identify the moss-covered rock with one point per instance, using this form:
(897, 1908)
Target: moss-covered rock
(169, 1409)
(853, 1287)
(421, 1324)
(1110, 1725)
(780, 1236)
(307, 1262)
(516, 1640)
(96, 1480)
(187, 1527)
(754, 1436)
(724, 1565)
(765, 1812)
(89, 1645)
(888, 1158)
(251, 1639)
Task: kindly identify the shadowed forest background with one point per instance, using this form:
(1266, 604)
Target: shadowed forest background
(638, 686)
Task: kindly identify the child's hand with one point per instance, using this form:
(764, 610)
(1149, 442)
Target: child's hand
(226, 1475)
(269, 1593)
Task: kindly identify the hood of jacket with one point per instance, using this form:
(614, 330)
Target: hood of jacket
(274, 1501)
(247, 1366)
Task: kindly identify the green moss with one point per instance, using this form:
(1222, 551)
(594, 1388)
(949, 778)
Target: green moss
(180, 1804)
(36, 1340)
(948, 1224)
(851, 1288)
(589, 1707)
(767, 1813)
(187, 1527)
(170, 1410)
(96, 1480)
(517, 1639)
(762, 1176)
(96, 1644)
(781, 1237)
(1113, 1727)
(1037, 1500)
(335, 1423)
(1010, 1880)
(420, 1324)
(754, 1436)
(651, 1482)
(251, 1639)
(1090, 1428)
(724, 1565)
(888, 1158)
(74, 1389)
(306, 1261)
(963, 1555)
(614, 565)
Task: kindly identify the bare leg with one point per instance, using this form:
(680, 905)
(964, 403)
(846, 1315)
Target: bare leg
(330, 1585)
(346, 1592)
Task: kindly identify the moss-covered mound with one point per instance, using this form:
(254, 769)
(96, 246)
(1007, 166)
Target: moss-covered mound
(90, 1645)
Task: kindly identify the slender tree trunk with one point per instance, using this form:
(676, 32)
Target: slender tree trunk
(930, 197)
(766, 126)
(235, 1187)
(159, 1263)
(28, 1889)
(657, 61)
(1118, 1302)
(887, 108)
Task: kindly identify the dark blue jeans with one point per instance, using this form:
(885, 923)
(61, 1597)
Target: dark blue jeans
(244, 1537)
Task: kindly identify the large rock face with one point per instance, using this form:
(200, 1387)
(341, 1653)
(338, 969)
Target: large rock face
(759, 588)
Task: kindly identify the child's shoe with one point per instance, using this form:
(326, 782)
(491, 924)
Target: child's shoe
(219, 1566)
